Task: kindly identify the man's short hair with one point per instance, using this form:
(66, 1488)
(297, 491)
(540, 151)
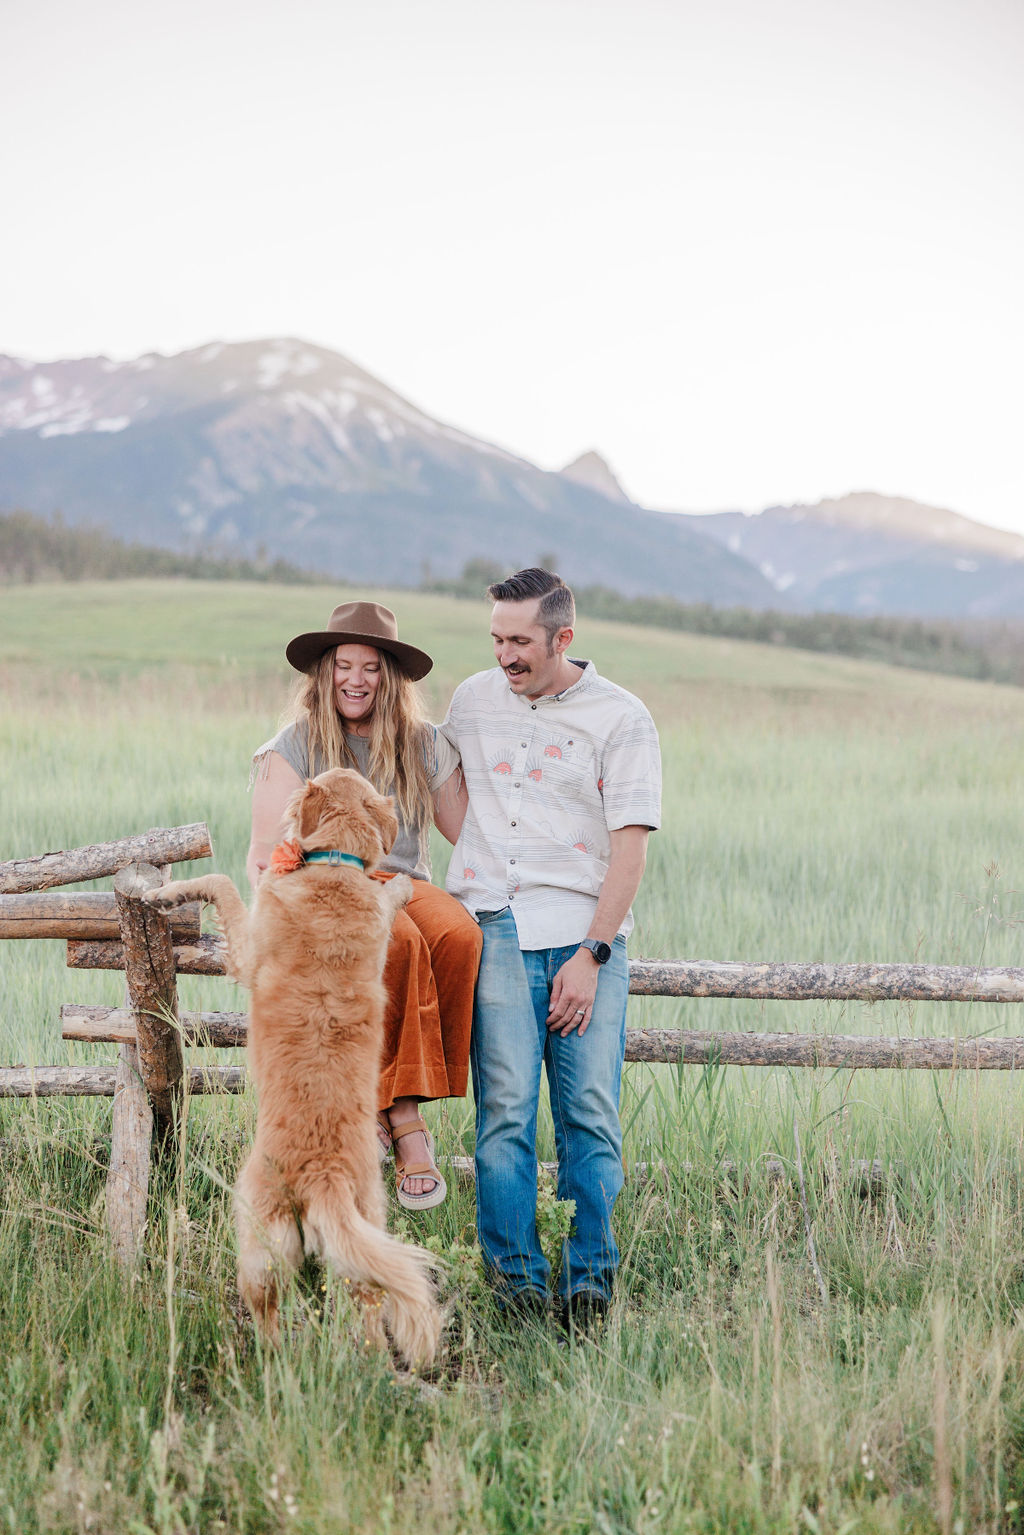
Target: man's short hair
(557, 608)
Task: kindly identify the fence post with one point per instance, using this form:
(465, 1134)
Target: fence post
(128, 1175)
(150, 972)
(147, 1098)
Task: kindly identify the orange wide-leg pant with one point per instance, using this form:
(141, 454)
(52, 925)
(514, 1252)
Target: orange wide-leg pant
(429, 977)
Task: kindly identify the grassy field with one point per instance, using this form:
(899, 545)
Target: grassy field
(815, 808)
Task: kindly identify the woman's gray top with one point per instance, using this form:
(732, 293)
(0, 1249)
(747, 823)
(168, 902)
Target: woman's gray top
(411, 852)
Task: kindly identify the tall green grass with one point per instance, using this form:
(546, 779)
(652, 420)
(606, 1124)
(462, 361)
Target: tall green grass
(815, 809)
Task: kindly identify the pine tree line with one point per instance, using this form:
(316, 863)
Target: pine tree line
(37, 549)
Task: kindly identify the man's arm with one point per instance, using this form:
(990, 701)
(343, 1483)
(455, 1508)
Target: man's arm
(575, 985)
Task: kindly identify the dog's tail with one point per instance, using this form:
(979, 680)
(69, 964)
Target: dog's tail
(361, 1252)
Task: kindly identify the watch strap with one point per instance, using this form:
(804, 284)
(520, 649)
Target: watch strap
(602, 952)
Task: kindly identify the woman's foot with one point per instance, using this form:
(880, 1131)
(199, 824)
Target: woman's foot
(420, 1185)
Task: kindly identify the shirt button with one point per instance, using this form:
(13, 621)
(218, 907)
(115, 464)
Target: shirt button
(522, 743)
(513, 823)
(533, 706)
(511, 860)
(516, 786)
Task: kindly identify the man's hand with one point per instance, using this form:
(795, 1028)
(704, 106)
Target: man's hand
(572, 994)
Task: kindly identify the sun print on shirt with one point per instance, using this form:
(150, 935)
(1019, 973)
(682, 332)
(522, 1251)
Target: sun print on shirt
(502, 763)
(582, 842)
(558, 748)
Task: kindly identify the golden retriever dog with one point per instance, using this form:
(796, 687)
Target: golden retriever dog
(311, 953)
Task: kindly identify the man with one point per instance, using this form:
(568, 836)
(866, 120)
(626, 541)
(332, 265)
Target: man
(564, 779)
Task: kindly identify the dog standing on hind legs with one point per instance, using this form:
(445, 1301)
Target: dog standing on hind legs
(311, 953)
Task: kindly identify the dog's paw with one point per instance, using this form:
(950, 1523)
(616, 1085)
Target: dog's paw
(165, 897)
(400, 888)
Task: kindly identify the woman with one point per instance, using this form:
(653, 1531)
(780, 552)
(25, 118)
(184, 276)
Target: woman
(359, 708)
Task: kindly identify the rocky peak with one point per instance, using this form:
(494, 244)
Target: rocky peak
(591, 470)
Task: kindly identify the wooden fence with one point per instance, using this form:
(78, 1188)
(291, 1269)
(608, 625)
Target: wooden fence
(116, 930)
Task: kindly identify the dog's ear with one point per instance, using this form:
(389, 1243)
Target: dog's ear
(381, 813)
(312, 804)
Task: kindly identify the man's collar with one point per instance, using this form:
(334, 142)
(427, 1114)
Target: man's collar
(585, 667)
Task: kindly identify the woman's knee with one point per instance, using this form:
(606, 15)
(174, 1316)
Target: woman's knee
(460, 940)
(405, 931)
(471, 941)
(407, 949)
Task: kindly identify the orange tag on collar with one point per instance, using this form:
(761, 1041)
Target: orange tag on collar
(286, 858)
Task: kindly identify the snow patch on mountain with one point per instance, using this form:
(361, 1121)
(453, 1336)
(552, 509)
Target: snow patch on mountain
(281, 361)
(66, 428)
(781, 580)
(320, 409)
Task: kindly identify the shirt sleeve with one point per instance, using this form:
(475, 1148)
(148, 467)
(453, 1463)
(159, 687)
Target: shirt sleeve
(442, 758)
(291, 743)
(631, 773)
(449, 726)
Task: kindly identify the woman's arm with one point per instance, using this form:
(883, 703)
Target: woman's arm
(450, 802)
(274, 787)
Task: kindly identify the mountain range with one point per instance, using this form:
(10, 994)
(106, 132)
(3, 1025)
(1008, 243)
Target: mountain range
(868, 553)
(287, 449)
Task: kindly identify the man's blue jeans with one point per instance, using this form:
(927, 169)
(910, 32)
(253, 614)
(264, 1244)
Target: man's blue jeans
(509, 1042)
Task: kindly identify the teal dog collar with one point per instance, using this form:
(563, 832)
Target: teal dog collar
(332, 856)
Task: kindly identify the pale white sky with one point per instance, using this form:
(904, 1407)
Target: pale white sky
(755, 251)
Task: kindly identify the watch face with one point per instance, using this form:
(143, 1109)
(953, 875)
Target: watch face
(602, 952)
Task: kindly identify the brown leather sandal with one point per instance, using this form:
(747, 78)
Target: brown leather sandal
(384, 1123)
(404, 1170)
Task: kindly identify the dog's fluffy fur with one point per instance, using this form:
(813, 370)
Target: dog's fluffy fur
(311, 954)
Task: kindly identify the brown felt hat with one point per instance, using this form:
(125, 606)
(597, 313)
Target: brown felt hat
(359, 623)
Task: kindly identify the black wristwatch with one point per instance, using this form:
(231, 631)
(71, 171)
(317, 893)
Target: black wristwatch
(602, 952)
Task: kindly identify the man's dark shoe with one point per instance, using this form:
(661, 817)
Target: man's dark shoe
(524, 1306)
(584, 1313)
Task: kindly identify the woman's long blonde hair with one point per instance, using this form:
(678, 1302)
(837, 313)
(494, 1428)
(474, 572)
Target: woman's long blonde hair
(398, 739)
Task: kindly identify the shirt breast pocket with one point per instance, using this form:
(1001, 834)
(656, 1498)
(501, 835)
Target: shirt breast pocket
(567, 770)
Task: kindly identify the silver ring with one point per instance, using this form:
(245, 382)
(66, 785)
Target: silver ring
(580, 1012)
